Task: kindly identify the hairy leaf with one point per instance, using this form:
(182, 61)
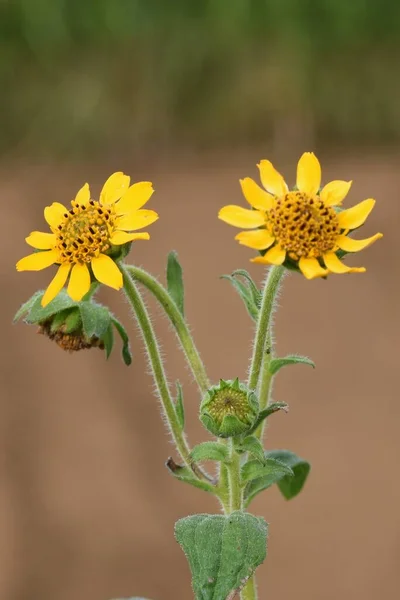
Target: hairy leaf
(175, 280)
(291, 486)
(291, 359)
(245, 295)
(253, 469)
(222, 551)
(126, 351)
(186, 475)
(253, 446)
(179, 407)
(210, 451)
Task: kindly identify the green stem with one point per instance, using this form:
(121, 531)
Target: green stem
(265, 383)
(156, 363)
(249, 591)
(235, 489)
(267, 305)
(178, 321)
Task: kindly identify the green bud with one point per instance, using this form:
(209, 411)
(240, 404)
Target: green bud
(229, 409)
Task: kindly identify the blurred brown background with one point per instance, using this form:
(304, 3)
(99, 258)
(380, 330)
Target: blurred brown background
(87, 507)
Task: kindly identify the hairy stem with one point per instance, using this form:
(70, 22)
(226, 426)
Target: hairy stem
(235, 489)
(267, 305)
(157, 367)
(266, 379)
(178, 321)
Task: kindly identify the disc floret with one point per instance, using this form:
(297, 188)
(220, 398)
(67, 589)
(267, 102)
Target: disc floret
(229, 409)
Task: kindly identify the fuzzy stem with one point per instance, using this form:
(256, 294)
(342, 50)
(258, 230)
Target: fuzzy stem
(178, 321)
(270, 290)
(156, 363)
(235, 490)
(266, 380)
(249, 591)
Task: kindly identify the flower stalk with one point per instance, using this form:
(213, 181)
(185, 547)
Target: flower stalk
(271, 288)
(157, 367)
(178, 321)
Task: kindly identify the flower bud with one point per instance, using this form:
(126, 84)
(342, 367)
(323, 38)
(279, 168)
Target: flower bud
(229, 409)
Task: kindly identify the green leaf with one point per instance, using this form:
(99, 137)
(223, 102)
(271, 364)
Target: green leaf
(187, 476)
(126, 351)
(253, 446)
(245, 295)
(38, 313)
(209, 451)
(270, 410)
(95, 319)
(254, 290)
(291, 486)
(291, 359)
(175, 281)
(253, 469)
(179, 407)
(222, 551)
(108, 340)
(26, 307)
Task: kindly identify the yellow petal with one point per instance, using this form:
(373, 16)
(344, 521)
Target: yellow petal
(350, 245)
(38, 261)
(259, 239)
(136, 219)
(40, 240)
(115, 186)
(241, 217)
(335, 192)
(308, 174)
(106, 271)
(356, 216)
(311, 268)
(336, 266)
(256, 196)
(121, 237)
(83, 196)
(79, 282)
(271, 179)
(275, 256)
(135, 197)
(54, 214)
(56, 284)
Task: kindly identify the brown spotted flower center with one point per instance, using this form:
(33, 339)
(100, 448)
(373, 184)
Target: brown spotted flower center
(229, 402)
(85, 232)
(303, 225)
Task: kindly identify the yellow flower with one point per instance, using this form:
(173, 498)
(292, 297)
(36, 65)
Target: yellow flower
(301, 226)
(83, 236)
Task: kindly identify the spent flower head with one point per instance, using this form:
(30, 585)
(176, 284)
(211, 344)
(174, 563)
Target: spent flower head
(301, 228)
(86, 239)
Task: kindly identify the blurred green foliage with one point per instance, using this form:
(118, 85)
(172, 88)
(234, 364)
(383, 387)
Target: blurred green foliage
(103, 76)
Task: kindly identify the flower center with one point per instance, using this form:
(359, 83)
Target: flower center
(229, 402)
(303, 225)
(85, 232)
